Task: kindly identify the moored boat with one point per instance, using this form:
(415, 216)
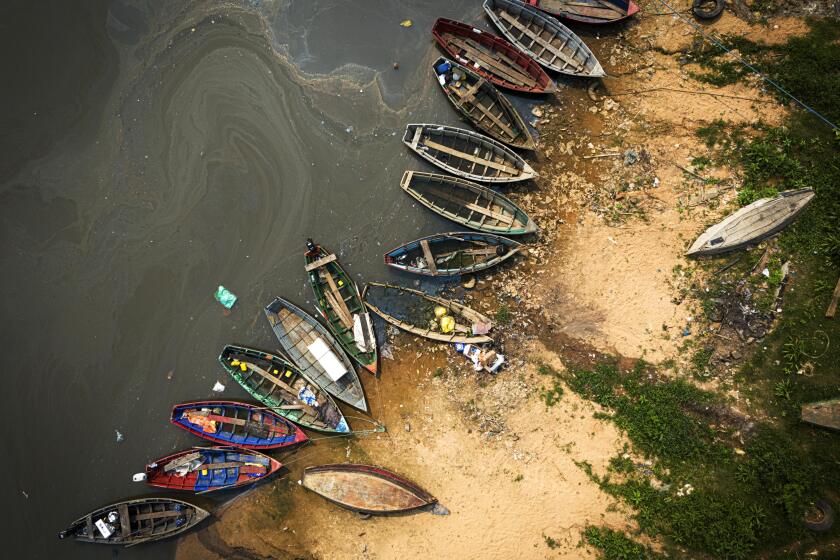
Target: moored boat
(426, 315)
(208, 469)
(492, 57)
(467, 154)
(341, 306)
(134, 522)
(366, 489)
(467, 203)
(315, 351)
(239, 424)
(282, 387)
(545, 39)
(823, 413)
(752, 223)
(587, 11)
(448, 254)
(482, 104)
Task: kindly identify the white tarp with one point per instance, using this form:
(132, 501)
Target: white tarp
(363, 332)
(328, 360)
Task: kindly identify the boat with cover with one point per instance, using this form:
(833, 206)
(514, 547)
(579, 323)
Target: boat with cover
(315, 351)
(134, 522)
(482, 104)
(587, 11)
(341, 306)
(207, 469)
(467, 203)
(467, 154)
(492, 57)
(366, 489)
(239, 424)
(752, 223)
(425, 315)
(448, 254)
(282, 387)
(541, 36)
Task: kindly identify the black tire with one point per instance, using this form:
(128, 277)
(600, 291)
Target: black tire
(702, 11)
(827, 520)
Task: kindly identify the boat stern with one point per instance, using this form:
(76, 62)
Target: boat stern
(632, 8)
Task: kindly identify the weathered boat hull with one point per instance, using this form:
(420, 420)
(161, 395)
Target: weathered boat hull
(239, 424)
(752, 223)
(339, 301)
(492, 57)
(545, 39)
(449, 254)
(478, 322)
(221, 468)
(467, 203)
(150, 519)
(365, 489)
(315, 351)
(483, 105)
(824, 413)
(467, 154)
(593, 12)
(302, 401)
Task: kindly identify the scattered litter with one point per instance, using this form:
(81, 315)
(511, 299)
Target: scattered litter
(630, 157)
(139, 477)
(170, 374)
(218, 387)
(611, 240)
(656, 182)
(349, 129)
(482, 359)
(766, 272)
(25, 495)
(406, 23)
(537, 112)
(686, 331)
(469, 282)
(386, 352)
(396, 66)
(120, 437)
(439, 510)
(225, 297)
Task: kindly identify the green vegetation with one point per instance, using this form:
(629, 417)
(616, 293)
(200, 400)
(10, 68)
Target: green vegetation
(552, 394)
(503, 315)
(550, 543)
(615, 545)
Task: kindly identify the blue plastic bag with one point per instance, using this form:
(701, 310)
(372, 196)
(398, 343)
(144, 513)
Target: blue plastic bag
(225, 297)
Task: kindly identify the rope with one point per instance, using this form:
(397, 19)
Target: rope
(713, 40)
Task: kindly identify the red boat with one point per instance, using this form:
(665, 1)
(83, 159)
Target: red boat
(491, 57)
(587, 11)
(206, 469)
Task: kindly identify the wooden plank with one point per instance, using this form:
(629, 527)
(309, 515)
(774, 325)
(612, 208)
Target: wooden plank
(427, 252)
(472, 158)
(538, 39)
(343, 309)
(475, 207)
(125, 520)
(832, 307)
(158, 515)
(320, 262)
(343, 318)
(488, 61)
(499, 57)
(468, 98)
(280, 384)
(228, 465)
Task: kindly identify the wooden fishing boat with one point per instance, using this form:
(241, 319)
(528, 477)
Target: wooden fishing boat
(365, 489)
(315, 351)
(752, 223)
(470, 326)
(482, 104)
(448, 254)
(135, 521)
(341, 306)
(467, 203)
(283, 388)
(587, 11)
(234, 423)
(467, 154)
(208, 469)
(492, 57)
(548, 41)
(823, 413)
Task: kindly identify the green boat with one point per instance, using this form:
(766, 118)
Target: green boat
(341, 306)
(283, 388)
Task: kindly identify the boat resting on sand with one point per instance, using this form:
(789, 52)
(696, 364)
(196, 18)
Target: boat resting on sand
(824, 413)
(587, 11)
(545, 39)
(752, 223)
(207, 469)
(482, 104)
(467, 203)
(239, 424)
(365, 489)
(492, 57)
(340, 304)
(315, 351)
(283, 388)
(467, 154)
(135, 521)
(469, 326)
(448, 254)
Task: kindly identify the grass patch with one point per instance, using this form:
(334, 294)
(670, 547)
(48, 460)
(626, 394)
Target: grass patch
(552, 394)
(503, 314)
(615, 545)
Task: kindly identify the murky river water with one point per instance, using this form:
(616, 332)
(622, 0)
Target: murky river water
(151, 151)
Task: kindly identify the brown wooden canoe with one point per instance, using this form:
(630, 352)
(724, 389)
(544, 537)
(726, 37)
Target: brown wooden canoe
(365, 489)
(823, 413)
(587, 11)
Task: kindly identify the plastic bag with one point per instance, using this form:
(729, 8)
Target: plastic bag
(225, 297)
